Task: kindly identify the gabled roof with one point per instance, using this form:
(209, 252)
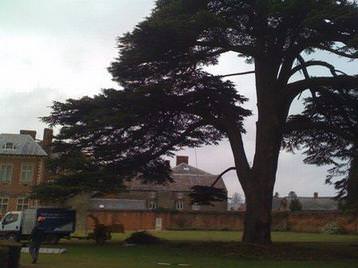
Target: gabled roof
(23, 145)
(184, 176)
(318, 203)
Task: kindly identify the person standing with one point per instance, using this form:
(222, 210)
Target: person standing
(37, 237)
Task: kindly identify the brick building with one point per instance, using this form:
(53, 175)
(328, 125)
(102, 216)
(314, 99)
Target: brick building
(172, 195)
(22, 165)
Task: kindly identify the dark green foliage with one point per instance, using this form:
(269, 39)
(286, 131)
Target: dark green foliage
(327, 130)
(295, 205)
(206, 195)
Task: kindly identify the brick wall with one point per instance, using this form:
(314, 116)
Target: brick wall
(283, 221)
(15, 188)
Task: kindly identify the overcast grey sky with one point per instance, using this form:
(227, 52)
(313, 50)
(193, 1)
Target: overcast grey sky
(53, 50)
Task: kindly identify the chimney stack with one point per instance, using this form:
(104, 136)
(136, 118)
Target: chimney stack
(315, 195)
(182, 159)
(47, 138)
(32, 133)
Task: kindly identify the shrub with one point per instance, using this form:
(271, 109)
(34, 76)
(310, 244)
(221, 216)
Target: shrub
(333, 228)
(295, 205)
(142, 238)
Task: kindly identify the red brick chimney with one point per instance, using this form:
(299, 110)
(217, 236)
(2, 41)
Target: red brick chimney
(182, 159)
(32, 133)
(47, 138)
(315, 195)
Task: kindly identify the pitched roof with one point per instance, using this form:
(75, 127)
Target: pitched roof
(318, 203)
(184, 177)
(23, 145)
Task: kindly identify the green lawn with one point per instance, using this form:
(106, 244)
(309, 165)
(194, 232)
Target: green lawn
(209, 250)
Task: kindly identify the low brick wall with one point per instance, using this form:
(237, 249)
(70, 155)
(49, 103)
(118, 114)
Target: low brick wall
(315, 221)
(281, 221)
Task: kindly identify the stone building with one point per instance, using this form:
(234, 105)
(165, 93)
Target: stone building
(22, 165)
(171, 196)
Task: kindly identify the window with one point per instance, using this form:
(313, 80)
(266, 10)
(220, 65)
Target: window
(27, 172)
(179, 204)
(10, 218)
(5, 173)
(4, 201)
(152, 204)
(195, 206)
(9, 146)
(22, 203)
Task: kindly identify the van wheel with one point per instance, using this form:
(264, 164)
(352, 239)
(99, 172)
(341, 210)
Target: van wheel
(52, 239)
(11, 237)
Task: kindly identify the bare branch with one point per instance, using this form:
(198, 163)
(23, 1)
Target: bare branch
(234, 74)
(221, 174)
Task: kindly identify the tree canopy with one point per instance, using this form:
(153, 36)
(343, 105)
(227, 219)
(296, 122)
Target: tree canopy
(168, 100)
(327, 132)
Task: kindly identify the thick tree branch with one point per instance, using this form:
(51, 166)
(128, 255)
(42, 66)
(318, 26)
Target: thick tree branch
(221, 174)
(305, 73)
(247, 50)
(306, 64)
(342, 81)
(338, 52)
(241, 163)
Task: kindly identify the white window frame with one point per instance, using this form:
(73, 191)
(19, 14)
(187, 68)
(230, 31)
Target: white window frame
(152, 204)
(195, 206)
(26, 176)
(8, 177)
(9, 146)
(4, 204)
(179, 204)
(22, 203)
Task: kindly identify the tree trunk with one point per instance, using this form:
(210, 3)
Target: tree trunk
(258, 185)
(257, 224)
(352, 184)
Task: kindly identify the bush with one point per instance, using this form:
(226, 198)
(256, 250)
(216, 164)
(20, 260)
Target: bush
(295, 205)
(142, 238)
(333, 228)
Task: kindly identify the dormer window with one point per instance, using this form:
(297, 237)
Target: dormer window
(9, 146)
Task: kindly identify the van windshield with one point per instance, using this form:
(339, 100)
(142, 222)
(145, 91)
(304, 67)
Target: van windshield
(10, 218)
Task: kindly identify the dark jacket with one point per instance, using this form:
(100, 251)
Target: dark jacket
(37, 235)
